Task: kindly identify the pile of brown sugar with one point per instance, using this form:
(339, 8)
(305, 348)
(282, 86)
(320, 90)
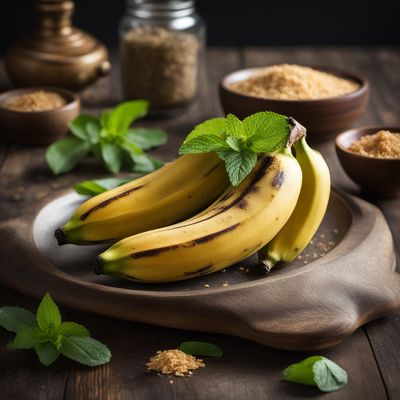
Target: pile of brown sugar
(294, 82)
(382, 144)
(174, 362)
(36, 101)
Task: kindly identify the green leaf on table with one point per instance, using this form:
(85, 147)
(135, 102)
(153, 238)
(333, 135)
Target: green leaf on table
(97, 186)
(72, 329)
(317, 371)
(85, 350)
(144, 163)
(119, 119)
(111, 155)
(86, 127)
(238, 164)
(146, 138)
(48, 315)
(213, 126)
(235, 126)
(47, 353)
(201, 349)
(64, 155)
(28, 338)
(15, 319)
(203, 144)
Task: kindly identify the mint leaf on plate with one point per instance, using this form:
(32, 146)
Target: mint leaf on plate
(213, 126)
(317, 371)
(48, 315)
(47, 353)
(72, 329)
(203, 144)
(238, 164)
(64, 155)
(15, 319)
(201, 349)
(85, 350)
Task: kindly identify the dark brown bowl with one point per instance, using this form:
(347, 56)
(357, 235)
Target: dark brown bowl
(323, 118)
(37, 127)
(377, 176)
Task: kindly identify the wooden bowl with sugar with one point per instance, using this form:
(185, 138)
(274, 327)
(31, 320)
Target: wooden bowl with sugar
(379, 177)
(36, 127)
(324, 118)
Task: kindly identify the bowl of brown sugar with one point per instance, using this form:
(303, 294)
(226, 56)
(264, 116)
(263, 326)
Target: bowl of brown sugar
(325, 100)
(36, 116)
(371, 157)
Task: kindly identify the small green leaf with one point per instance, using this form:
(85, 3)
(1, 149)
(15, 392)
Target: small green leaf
(72, 329)
(16, 318)
(203, 144)
(97, 186)
(144, 163)
(235, 143)
(28, 338)
(119, 119)
(317, 371)
(48, 315)
(238, 165)
(86, 127)
(111, 155)
(132, 148)
(146, 138)
(213, 126)
(85, 350)
(46, 353)
(235, 126)
(64, 155)
(201, 349)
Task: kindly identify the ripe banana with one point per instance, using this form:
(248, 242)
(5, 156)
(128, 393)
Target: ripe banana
(242, 221)
(309, 211)
(174, 192)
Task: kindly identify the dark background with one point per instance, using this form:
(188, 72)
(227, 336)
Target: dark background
(247, 22)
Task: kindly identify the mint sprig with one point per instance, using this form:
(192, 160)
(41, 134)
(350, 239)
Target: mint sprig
(317, 371)
(110, 139)
(50, 337)
(238, 142)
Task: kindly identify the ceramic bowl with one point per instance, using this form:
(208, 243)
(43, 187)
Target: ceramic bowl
(377, 176)
(323, 118)
(37, 127)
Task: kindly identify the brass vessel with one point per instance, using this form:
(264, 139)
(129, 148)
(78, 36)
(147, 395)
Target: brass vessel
(56, 53)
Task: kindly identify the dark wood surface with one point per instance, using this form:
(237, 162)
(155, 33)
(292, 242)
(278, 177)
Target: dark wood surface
(371, 355)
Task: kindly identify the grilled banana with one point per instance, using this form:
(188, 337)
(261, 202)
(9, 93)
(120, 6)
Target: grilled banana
(174, 192)
(309, 212)
(243, 220)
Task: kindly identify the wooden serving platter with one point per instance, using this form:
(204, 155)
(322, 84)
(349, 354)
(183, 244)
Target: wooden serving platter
(343, 279)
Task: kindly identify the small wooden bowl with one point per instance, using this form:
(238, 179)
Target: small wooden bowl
(377, 176)
(37, 127)
(323, 118)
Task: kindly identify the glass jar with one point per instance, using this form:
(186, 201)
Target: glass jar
(162, 45)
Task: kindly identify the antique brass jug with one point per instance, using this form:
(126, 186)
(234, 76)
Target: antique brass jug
(56, 53)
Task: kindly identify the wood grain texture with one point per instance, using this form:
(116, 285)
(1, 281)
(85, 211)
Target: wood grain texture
(247, 370)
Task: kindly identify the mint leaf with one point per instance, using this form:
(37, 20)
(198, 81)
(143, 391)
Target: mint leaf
(86, 127)
(28, 338)
(213, 126)
(235, 143)
(118, 120)
(64, 155)
(72, 329)
(203, 144)
(15, 319)
(201, 349)
(97, 186)
(317, 371)
(146, 138)
(85, 350)
(267, 130)
(238, 165)
(46, 353)
(48, 315)
(111, 155)
(144, 163)
(234, 126)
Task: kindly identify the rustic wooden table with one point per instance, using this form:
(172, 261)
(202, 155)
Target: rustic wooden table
(371, 355)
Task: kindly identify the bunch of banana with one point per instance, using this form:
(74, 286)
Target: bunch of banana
(309, 211)
(174, 192)
(242, 221)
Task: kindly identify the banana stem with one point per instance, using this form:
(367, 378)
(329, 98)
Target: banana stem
(266, 261)
(297, 132)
